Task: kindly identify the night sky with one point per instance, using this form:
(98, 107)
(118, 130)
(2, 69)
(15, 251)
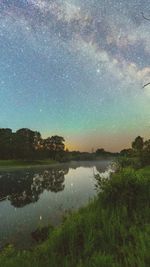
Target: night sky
(76, 68)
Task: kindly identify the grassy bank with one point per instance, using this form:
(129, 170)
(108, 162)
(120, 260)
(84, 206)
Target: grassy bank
(5, 164)
(112, 231)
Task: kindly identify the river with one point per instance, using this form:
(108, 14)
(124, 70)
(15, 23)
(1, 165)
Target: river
(33, 198)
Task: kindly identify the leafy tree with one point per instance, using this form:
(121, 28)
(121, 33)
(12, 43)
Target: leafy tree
(37, 140)
(138, 144)
(126, 152)
(28, 144)
(25, 141)
(6, 137)
(57, 143)
(54, 146)
(147, 146)
(141, 152)
(100, 151)
(146, 153)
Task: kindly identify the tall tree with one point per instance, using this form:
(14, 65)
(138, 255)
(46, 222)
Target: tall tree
(54, 145)
(6, 137)
(28, 144)
(25, 142)
(146, 153)
(138, 144)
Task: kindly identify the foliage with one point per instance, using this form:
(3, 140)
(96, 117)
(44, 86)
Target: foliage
(126, 152)
(112, 231)
(5, 143)
(127, 188)
(136, 157)
(27, 144)
(100, 152)
(133, 162)
(138, 144)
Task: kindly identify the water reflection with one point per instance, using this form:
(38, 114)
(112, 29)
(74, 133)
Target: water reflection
(98, 166)
(41, 196)
(22, 188)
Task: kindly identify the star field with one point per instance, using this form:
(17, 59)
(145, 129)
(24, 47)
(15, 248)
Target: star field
(76, 68)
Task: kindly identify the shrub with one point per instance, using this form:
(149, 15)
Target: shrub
(112, 231)
(127, 188)
(135, 163)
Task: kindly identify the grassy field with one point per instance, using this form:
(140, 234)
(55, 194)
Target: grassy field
(5, 164)
(112, 231)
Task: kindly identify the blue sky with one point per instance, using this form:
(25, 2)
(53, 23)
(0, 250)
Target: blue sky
(76, 68)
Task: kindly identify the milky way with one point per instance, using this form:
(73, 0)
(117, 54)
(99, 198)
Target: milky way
(76, 68)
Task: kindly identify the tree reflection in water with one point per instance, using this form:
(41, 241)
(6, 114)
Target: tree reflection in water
(23, 188)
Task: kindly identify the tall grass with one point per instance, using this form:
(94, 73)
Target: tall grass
(112, 231)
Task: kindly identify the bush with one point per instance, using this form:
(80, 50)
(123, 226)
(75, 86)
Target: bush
(112, 231)
(135, 163)
(127, 188)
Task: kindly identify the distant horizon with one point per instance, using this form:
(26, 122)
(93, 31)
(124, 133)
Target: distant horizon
(105, 144)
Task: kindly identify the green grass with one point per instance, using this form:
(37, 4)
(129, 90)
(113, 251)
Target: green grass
(145, 171)
(112, 231)
(24, 163)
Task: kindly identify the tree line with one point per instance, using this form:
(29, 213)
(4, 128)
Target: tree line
(27, 144)
(140, 150)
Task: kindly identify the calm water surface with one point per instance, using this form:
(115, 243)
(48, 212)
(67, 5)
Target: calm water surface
(38, 197)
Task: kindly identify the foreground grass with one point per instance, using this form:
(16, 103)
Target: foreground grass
(24, 163)
(112, 231)
(145, 171)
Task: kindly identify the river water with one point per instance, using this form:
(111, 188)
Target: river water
(33, 198)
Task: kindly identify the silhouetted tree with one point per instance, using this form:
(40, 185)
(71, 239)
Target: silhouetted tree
(146, 153)
(6, 137)
(24, 143)
(126, 152)
(54, 146)
(100, 151)
(138, 144)
(28, 144)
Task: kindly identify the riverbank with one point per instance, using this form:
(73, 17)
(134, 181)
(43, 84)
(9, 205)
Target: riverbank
(8, 165)
(21, 164)
(112, 231)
